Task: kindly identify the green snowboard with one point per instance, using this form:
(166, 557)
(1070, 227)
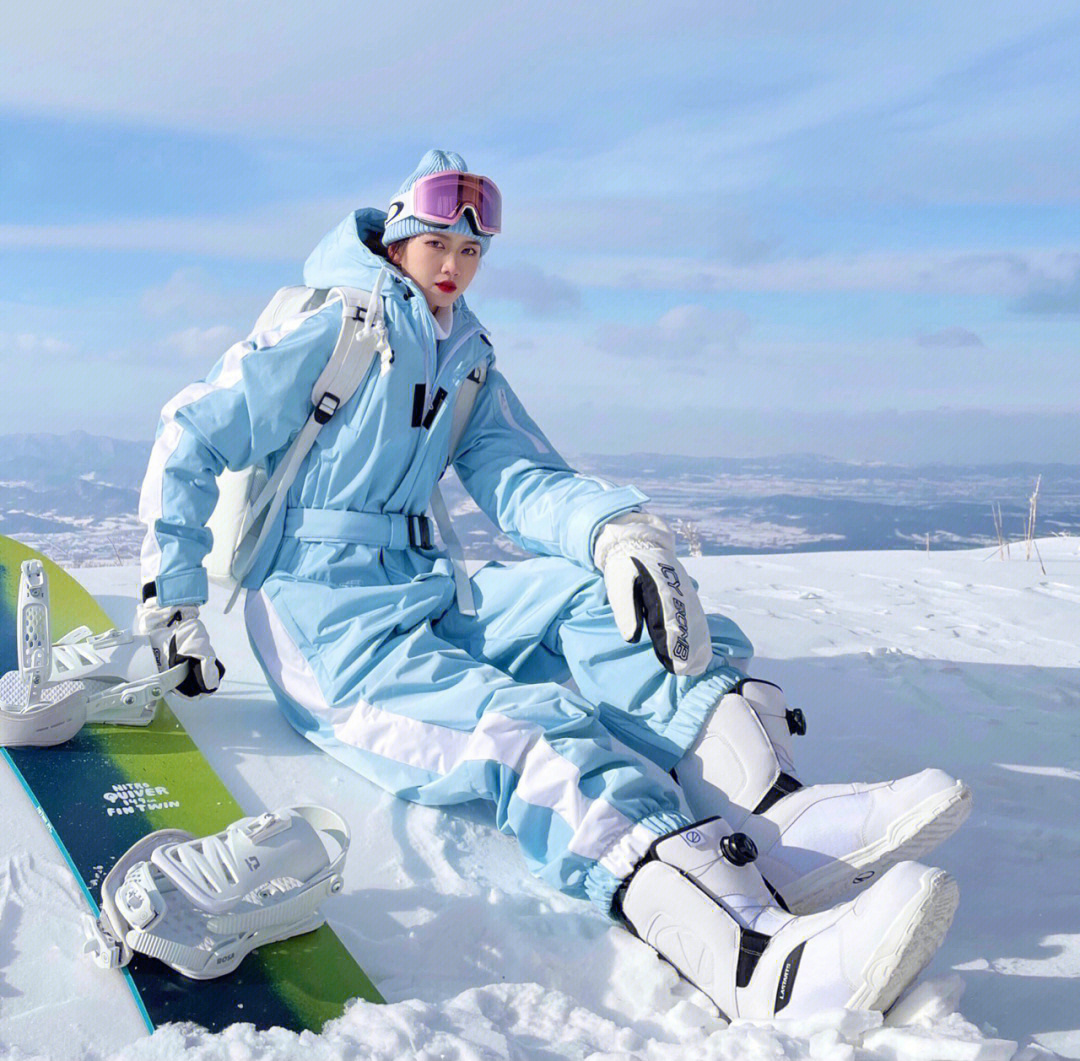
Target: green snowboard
(111, 785)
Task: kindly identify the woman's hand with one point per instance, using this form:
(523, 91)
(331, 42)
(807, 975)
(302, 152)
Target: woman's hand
(647, 587)
(177, 636)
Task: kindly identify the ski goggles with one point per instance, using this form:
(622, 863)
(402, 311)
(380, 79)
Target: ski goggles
(441, 198)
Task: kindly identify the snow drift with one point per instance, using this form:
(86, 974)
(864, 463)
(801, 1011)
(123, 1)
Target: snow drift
(900, 660)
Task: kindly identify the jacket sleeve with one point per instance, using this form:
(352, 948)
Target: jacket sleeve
(525, 487)
(252, 403)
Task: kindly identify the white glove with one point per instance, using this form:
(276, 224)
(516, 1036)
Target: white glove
(177, 635)
(647, 586)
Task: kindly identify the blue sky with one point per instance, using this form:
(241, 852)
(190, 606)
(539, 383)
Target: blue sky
(741, 229)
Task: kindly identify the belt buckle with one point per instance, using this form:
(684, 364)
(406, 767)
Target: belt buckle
(420, 532)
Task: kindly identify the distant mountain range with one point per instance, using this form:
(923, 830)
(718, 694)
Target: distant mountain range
(75, 497)
(47, 482)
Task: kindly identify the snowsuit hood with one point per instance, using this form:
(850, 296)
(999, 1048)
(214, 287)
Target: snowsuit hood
(343, 258)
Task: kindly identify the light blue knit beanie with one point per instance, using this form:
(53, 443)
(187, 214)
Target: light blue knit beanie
(433, 162)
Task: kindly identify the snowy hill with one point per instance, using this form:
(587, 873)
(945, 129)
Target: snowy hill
(899, 659)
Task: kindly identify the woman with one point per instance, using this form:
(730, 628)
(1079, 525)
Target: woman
(372, 655)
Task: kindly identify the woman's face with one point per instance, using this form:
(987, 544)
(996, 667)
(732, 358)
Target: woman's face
(441, 263)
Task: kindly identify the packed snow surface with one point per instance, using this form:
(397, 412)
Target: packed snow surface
(900, 661)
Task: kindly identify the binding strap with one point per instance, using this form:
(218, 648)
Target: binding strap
(751, 947)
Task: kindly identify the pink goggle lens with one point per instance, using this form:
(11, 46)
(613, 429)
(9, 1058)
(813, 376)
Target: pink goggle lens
(442, 198)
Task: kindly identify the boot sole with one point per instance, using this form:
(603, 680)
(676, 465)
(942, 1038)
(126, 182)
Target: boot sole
(910, 943)
(919, 831)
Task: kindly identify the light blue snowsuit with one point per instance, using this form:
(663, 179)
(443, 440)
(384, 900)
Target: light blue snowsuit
(359, 632)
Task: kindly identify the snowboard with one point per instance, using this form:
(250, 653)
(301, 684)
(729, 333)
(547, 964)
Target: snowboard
(111, 785)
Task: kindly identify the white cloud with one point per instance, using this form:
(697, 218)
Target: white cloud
(31, 345)
(321, 67)
(285, 232)
(1044, 278)
(684, 333)
(202, 345)
(1006, 273)
(1053, 296)
(188, 292)
(528, 286)
(326, 67)
(953, 337)
(609, 223)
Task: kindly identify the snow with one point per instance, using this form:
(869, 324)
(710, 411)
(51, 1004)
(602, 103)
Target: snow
(899, 659)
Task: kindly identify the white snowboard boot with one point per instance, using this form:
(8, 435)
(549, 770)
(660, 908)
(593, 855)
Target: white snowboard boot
(815, 843)
(697, 901)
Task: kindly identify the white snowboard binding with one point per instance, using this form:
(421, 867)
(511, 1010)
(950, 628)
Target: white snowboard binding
(816, 843)
(200, 906)
(698, 902)
(84, 677)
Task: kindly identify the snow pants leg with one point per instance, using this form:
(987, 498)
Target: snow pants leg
(548, 619)
(364, 673)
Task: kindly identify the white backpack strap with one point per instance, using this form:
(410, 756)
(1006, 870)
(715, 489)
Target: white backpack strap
(285, 312)
(466, 604)
(463, 407)
(363, 332)
(355, 348)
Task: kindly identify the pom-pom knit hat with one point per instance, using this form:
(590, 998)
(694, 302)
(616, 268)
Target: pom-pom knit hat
(433, 162)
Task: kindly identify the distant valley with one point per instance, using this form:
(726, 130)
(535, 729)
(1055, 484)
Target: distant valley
(75, 497)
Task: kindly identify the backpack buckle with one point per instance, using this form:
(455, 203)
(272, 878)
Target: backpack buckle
(420, 532)
(328, 405)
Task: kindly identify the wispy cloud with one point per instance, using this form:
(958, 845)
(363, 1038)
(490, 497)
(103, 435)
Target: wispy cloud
(189, 293)
(202, 346)
(1053, 297)
(191, 350)
(284, 233)
(684, 333)
(30, 345)
(1007, 273)
(529, 286)
(949, 338)
(674, 188)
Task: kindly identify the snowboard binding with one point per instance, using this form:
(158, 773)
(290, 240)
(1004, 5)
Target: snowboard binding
(83, 677)
(202, 905)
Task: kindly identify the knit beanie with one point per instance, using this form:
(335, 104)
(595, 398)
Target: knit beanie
(433, 162)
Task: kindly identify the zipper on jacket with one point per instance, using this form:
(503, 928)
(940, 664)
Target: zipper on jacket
(427, 327)
(436, 405)
(418, 452)
(447, 364)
